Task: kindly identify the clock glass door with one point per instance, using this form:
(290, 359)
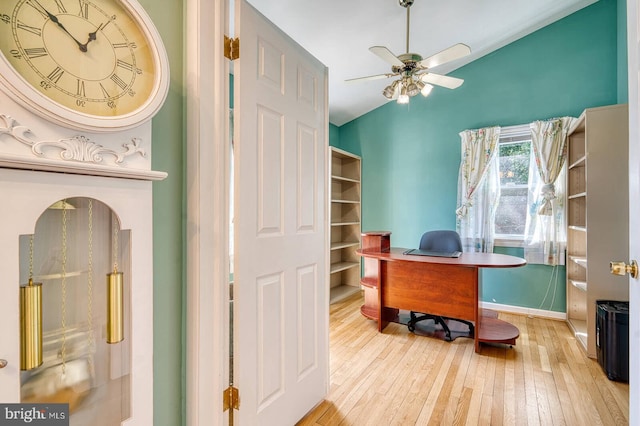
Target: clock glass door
(80, 260)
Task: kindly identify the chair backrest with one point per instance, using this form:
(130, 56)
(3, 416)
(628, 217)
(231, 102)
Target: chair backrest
(445, 241)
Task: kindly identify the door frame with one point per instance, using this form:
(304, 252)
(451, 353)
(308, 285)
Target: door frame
(207, 228)
(633, 14)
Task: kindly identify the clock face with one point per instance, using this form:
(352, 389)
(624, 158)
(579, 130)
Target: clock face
(90, 56)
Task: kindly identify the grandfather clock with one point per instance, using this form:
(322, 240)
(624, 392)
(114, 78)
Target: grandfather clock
(79, 84)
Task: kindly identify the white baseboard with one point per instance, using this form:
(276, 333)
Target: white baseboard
(524, 311)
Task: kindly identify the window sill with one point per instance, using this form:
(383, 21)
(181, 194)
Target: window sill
(509, 241)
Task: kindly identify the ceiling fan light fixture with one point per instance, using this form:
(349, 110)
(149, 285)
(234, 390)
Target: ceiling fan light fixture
(412, 70)
(412, 88)
(426, 90)
(403, 98)
(390, 91)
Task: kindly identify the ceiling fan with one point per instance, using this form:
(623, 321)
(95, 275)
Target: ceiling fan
(414, 70)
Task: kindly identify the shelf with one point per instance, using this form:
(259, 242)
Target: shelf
(346, 201)
(58, 275)
(580, 285)
(344, 179)
(596, 189)
(345, 223)
(343, 266)
(344, 244)
(345, 219)
(580, 260)
(578, 163)
(342, 292)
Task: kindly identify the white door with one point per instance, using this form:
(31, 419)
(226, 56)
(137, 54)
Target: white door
(281, 337)
(633, 15)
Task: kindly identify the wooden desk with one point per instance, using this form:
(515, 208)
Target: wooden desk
(448, 287)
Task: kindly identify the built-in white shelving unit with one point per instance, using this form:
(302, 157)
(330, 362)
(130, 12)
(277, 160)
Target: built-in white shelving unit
(345, 224)
(597, 201)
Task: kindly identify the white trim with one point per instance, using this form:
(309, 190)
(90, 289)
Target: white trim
(541, 313)
(16, 162)
(509, 241)
(519, 133)
(207, 229)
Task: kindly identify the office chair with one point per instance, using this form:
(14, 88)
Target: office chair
(440, 241)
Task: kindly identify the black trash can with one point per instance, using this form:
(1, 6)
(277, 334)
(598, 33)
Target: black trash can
(612, 338)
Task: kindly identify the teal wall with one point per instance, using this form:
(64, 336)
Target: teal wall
(623, 83)
(410, 161)
(411, 154)
(168, 223)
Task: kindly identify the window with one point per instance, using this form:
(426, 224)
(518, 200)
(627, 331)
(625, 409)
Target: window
(514, 160)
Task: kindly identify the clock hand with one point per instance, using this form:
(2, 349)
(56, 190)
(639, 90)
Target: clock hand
(83, 47)
(92, 36)
(54, 19)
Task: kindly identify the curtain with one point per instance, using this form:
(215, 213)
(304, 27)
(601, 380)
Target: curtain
(545, 229)
(478, 189)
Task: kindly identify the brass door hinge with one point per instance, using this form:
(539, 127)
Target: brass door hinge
(230, 399)
(231, 48)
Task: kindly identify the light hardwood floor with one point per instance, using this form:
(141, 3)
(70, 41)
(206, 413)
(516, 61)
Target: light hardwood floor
(398, 378)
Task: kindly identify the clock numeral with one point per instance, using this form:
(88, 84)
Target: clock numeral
(55, 75)
(120, 82)
(104, 91)
(125, 65)
(5, 18)
(84, 9)
(16, 54)
(81, 103)
(123, 45)
(34, 30)
(36, 52)
(80, 91)
(37, 6)
(61, 7)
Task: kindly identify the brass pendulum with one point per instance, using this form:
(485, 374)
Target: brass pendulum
(30, 321)
(115, 325)
(115, 312)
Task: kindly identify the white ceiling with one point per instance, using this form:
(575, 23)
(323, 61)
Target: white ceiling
(339, 33)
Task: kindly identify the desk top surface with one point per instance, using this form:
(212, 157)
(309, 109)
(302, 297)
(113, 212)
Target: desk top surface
(480, 260)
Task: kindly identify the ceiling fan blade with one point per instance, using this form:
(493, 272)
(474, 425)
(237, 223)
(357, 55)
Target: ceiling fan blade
(449, 54)
(370, 77)
(442, 80)
(386, 55)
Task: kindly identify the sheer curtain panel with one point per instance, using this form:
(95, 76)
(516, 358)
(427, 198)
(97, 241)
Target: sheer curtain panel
(478, 189)
(545, 230)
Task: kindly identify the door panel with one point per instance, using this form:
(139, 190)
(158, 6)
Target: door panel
(280, 290)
